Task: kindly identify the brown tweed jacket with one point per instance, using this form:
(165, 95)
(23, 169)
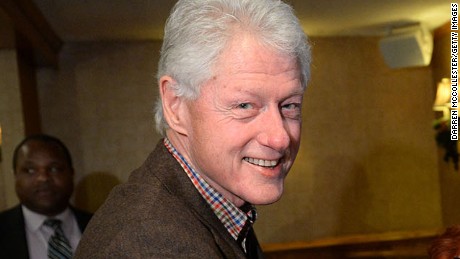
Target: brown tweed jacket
(158, 213)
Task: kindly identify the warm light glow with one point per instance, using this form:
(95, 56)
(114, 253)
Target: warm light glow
(443, 93)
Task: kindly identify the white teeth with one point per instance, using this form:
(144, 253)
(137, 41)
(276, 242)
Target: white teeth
(261, 162)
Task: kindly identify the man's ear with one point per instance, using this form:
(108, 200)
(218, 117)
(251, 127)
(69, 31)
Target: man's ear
(173, 105)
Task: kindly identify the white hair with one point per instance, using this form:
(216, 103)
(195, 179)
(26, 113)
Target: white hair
(197, 31)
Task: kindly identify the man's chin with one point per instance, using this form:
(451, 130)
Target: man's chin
(265, 198)
(47, 208)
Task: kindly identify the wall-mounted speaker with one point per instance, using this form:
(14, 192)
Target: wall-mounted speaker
(410, 46)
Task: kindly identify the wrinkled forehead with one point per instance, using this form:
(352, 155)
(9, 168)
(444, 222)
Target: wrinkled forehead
(247, 52)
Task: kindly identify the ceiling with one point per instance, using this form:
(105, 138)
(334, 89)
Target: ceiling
(88, 20)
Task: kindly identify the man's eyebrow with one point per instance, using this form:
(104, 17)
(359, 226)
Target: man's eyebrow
(27, 162)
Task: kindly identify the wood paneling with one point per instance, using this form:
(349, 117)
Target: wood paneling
(413, 244)
(27, 20)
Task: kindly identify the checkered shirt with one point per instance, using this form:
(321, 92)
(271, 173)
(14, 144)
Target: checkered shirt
(231, 216)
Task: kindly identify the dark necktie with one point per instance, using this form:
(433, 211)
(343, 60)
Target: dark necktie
(248, 241)
(58, 244)
(241, 240)
(252, 215)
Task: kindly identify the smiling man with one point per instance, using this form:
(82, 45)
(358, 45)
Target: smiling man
(243, 132)
(231, 78)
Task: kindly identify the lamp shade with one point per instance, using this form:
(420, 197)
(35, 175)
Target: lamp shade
(443, 93)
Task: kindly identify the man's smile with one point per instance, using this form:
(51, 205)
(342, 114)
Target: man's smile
(261, 162)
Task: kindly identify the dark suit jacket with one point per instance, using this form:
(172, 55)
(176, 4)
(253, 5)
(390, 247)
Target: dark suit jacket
(13, 241)
(158, 213)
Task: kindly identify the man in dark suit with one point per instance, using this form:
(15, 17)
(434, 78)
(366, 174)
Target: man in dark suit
(232, 74)
(44, 183)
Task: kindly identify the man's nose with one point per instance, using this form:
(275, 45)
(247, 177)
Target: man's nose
(43, 175)
(274, 133)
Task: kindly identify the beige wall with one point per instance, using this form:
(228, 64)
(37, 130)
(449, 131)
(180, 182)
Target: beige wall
(367, 163)
(100, 102)
(368, 159)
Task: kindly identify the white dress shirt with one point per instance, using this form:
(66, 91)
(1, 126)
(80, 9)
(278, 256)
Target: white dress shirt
(38, 234)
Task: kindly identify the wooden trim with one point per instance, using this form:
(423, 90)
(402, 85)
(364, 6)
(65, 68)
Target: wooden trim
(28, 21)
(364, 239)
(442, 31)
(28, 87)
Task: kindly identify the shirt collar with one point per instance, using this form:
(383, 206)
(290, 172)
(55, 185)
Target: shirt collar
(232, 217)
(34, 220)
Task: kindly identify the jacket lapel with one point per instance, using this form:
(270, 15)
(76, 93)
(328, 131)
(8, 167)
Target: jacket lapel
(173, 177)
(14, 241)
(82, 218)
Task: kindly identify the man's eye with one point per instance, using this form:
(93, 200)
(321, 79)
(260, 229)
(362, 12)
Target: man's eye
(291, 110)
(245, 106)
(28, 170)
(291, 106)
(54, 169)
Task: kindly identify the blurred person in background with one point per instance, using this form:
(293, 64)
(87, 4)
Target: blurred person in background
(44, 218)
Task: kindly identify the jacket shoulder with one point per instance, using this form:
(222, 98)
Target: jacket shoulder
(11, 216)
(156, 214)
(13, 241)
